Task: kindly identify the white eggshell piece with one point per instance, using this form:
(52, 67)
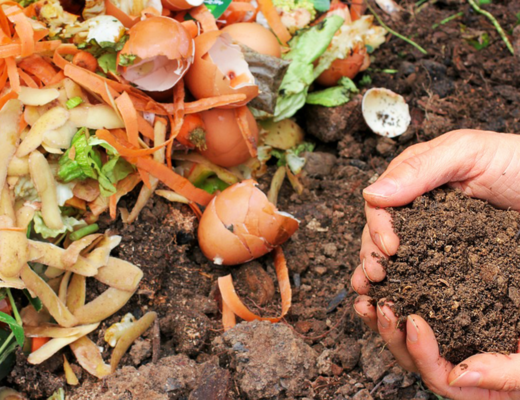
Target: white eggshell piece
(385, 112)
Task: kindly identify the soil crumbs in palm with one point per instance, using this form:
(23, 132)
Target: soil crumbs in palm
(457, 266)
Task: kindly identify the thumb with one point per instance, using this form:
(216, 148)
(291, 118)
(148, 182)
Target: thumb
(421, 173)
(488, 371)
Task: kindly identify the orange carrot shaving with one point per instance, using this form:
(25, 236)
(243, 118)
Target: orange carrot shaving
(178, 117)
(211, 102)
(173, 180)
(112, 205)
(9, 96)
(12, 72)
(23, 29)
(275, 22)
(145, 177)
(191, 27)
(23, 124)
(15, 49)
(233, 302)
(241, 116)
(5, 26)
(125, 148)
(357, 9)
(57, 78)
(85, 60)
(144, 127)
(205, 18)
(125, 19)
(75, 202)
(129, 114)
(228, 317)
(3, 77)
(90, 81)
(64, 50)
(37, 342)
(27, 79)
(38, 67)
(191, 123)
(40, 34)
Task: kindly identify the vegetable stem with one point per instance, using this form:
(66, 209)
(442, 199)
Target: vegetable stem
(82, 232)
(6, 343)
(495, 23)
(15, 309)
(446, 20)
(396, 34)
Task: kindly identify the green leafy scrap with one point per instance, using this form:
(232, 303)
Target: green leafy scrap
(87, 162)
(105, 52)
(334, 96)
(481, 42)
(292, 157)
(126, 60)
(15, 327)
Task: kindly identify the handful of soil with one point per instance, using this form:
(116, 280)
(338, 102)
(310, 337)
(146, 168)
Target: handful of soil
(458, 266)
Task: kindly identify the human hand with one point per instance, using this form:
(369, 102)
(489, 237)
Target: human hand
(483, 165)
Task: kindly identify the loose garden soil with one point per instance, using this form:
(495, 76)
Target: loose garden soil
(321, 350)
(457, 266)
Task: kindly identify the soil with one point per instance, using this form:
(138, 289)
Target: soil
(457, 267)
(454, 86)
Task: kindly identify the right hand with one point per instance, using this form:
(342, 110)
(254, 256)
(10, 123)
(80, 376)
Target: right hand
(483, 165)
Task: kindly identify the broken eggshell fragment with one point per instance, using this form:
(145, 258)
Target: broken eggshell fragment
(178, 5)
(240, 224)
(161, 49)
(385, 112)
(219, 69)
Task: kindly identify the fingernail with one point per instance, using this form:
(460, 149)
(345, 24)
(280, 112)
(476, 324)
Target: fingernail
(382, 188)
(351, 285)
(467, 379)
(358, 313)
(383, 320)
(412, 334)
(365, 271)
(381, 243)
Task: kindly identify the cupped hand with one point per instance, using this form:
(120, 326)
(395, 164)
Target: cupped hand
(484, 165)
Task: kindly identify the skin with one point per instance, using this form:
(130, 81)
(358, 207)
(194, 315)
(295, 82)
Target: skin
(483, 165)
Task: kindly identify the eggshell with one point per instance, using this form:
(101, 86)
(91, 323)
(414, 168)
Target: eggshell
(216, 60)
(348, 67)
(224, 141)
(385, 112)
(256, 37)
(241, 217)
(177, 5)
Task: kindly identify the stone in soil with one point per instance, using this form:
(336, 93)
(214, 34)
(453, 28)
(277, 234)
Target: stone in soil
(269, 359)
(457, 267)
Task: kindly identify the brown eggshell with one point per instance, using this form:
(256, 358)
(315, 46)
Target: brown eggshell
(204, 79)
(178, 5)
(243, 211)
(256, 37)
(224, 141)
(219, 243)
(159, 36)
(348, 67)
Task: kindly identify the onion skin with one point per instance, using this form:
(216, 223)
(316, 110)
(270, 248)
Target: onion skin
(225, 145)
(204, 79)
(348, 67)
(240, 224)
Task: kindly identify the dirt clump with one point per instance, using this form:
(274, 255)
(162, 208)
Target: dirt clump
(457, 266)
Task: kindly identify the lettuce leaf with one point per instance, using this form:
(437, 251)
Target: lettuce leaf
(306, 47)
(334, 96)
(87, 162)
(68, 225)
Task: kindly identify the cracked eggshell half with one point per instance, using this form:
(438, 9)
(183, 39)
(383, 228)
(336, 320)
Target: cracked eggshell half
(178, 5)
(240, 224)
(385, 112)
(164, 50)
(219, 69)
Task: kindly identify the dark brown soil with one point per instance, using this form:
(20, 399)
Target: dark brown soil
(457, 266)
(454, 86)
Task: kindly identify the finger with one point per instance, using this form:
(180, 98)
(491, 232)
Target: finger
(364, 307)
(423, 347)
(394, 336)
(359, 281)
(381, 229)
(425, 171)
(488, 371)
(409, 152)
(371, 264)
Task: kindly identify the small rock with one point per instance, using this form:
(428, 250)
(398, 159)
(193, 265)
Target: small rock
(363, 394)
(318, 164)
(330, 250)
(141, 350)
(375, 361)
(257, 282)
(213, 384)
(514, 295)
(393, 379)
(320, 270)
(348, 353)
(278, 362)
(330, 124)
(337, 300)
(324, 363)
(421, 395)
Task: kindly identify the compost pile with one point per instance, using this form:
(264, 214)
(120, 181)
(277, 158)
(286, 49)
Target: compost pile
(457, 266)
